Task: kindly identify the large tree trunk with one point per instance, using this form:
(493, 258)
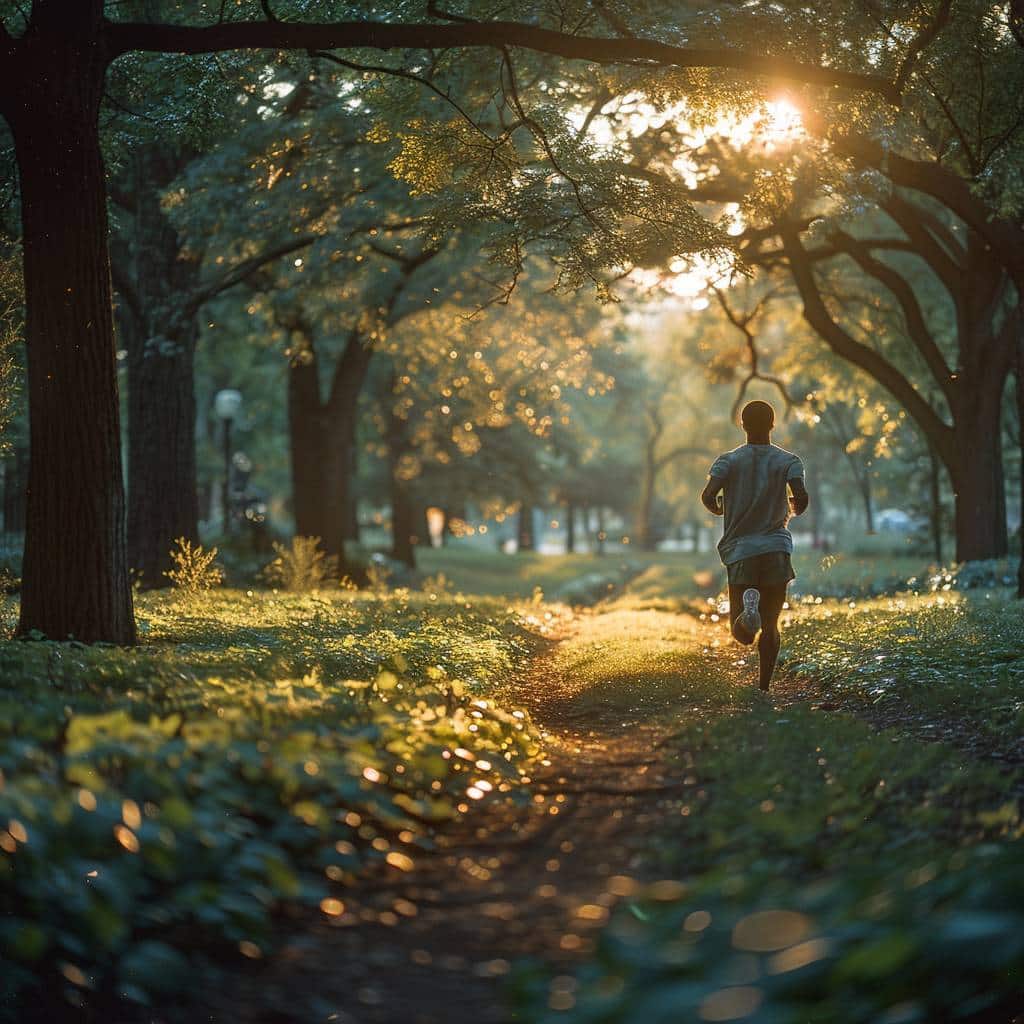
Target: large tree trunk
(75, 570)
(865, 493)
(980, 500)
(306, 445)
(570, 527)
(934, 483)
(162, 497)
(160, 332)
(525, 538)
(339, 440)
(814, 492)
(405, 524)
(1020, 440)
(644, 527)
(339, 444)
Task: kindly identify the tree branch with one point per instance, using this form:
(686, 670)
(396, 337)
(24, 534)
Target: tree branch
(917, 329)
(921, 41)
(946, 269)
(125, 288)
(410, 76)
(241, 270)
(954, 192)
(860, 355)
(742, 323)
(123, 37)
(677, 453)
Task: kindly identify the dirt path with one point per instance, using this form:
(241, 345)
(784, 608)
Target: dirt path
(533, 882)
(437, 944)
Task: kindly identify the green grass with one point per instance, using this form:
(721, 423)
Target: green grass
(163, 802)
(257, 750)
(960, 656)
(813, 869)
(471, 570)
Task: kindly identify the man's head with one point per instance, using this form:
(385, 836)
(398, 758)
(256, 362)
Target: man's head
(757, 418)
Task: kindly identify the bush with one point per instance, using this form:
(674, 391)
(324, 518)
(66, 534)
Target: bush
(301, 566)
(914, 940)
(195, 569)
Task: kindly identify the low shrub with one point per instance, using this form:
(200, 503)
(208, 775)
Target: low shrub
(301, 565)
(160, 804)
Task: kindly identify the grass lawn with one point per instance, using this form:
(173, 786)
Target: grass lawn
(813, 868)
(667, 578)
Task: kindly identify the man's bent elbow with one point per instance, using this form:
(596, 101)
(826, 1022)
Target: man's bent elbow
(713, 503)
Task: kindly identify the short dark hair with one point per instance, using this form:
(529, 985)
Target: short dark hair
(757, 417)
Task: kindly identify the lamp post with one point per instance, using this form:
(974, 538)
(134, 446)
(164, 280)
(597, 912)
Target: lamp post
(226, 404)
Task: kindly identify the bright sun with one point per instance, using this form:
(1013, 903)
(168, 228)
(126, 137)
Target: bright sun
(782, 122)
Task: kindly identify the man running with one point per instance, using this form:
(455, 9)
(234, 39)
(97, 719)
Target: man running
(756, 547)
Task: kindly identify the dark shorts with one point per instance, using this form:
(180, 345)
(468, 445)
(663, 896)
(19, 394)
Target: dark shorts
(772, 569)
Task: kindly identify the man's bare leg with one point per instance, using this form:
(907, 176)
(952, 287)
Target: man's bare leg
(772, 600)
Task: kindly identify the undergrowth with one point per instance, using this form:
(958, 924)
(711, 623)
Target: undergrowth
(163, 803)
(815, 869)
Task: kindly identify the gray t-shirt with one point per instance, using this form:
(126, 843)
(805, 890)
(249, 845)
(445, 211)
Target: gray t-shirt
(754, 478)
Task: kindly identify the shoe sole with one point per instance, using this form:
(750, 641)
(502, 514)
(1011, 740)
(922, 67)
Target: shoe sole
(750, 616)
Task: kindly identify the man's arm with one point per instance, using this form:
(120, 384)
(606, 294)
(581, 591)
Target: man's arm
(710, 496)
(801, 499)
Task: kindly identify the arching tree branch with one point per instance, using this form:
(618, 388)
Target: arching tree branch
(123, 37)
(917, 329)
(742, 322)
(946, 269)
(847, 347)
(1003, 235)
(238, 272)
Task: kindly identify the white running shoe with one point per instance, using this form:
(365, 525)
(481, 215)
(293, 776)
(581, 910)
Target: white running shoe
(750, 618)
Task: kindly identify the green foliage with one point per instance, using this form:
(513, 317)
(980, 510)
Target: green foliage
(162, 802)
(814, 869)
(915, 939)
(301, 565)
(195, 569)
(11, 314)
(952, 654)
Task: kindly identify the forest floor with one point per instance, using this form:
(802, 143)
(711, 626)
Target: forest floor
(411, 806)
(626, 698)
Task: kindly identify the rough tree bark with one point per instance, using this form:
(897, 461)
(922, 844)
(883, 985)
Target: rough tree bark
(971, 447)
(160, 330)
(75, 568)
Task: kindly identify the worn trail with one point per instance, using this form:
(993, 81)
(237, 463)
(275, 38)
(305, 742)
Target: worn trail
(437, 944)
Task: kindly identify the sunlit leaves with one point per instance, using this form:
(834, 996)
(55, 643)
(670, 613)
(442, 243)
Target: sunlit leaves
(258, 749)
